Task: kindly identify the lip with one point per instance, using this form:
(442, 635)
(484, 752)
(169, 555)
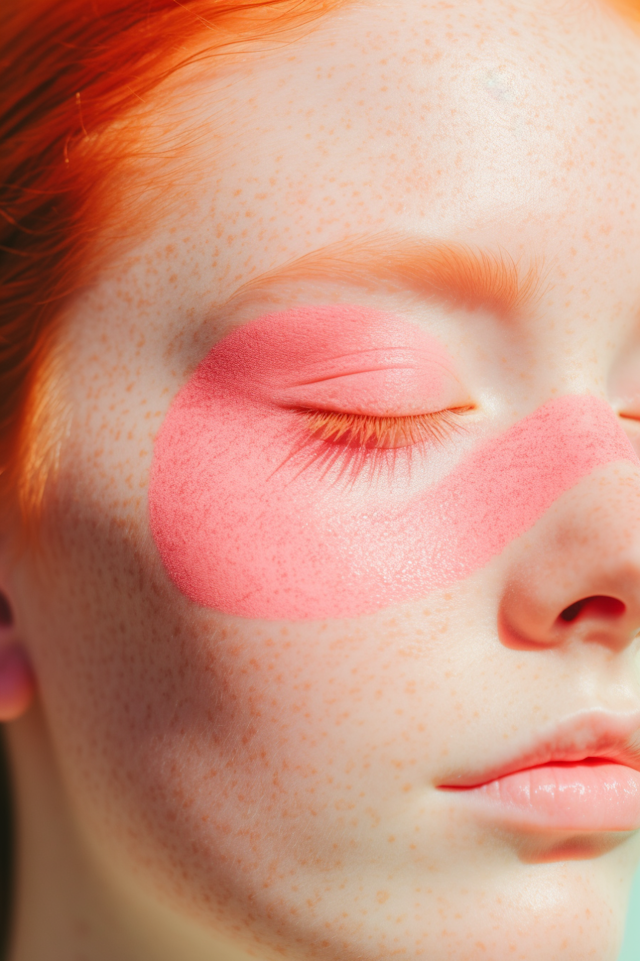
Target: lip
(582, 775)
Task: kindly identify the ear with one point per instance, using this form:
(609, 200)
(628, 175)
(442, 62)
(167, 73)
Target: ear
(17, 685)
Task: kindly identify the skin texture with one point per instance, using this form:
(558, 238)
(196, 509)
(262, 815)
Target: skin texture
(223, 786)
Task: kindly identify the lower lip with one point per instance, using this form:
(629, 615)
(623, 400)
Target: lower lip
(587, 795)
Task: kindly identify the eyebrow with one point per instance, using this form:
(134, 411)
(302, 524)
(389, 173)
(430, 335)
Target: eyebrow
(629, 9)
(457, 273)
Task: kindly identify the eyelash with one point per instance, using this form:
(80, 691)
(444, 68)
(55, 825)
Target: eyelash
(353, 443)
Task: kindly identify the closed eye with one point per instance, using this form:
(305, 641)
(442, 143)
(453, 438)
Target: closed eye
(383, 433)
(364, 443)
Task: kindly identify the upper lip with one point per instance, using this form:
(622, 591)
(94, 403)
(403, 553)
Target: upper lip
(590, 734)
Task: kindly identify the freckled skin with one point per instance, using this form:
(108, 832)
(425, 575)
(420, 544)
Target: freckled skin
(275, 783)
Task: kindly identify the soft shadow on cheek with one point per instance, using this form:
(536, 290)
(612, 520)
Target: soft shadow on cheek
(246, 523)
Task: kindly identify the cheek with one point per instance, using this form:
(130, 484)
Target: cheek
(242, 527)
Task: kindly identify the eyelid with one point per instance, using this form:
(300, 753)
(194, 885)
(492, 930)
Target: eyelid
(386, 392)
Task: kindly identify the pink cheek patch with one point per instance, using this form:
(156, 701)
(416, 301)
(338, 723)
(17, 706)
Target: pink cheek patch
(246, 523)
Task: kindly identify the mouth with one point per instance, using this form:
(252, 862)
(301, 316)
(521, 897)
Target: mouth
(584, 775)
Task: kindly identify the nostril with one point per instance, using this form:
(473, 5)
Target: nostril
(6, 615)
(570, 613)
(599, 606)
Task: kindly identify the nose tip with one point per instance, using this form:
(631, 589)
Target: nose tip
(576, 573)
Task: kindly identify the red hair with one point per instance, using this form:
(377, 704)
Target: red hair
(69, 69)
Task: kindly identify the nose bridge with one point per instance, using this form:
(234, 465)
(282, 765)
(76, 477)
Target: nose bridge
(597, 524)
(505, 487)
(580, 563)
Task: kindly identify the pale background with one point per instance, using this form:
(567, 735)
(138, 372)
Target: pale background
(631, 947)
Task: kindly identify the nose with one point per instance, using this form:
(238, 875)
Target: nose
(576, 574)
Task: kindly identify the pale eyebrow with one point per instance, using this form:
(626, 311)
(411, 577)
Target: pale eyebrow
(454, 272)
(629, 9)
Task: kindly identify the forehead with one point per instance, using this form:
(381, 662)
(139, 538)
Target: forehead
(510, 123)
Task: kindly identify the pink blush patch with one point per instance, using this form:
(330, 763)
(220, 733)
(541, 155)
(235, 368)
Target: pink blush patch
(242, 527)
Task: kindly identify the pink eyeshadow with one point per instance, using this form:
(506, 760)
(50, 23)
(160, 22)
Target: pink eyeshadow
(242, 527)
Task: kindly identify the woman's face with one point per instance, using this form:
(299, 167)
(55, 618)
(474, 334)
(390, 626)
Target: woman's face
(270, 760)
